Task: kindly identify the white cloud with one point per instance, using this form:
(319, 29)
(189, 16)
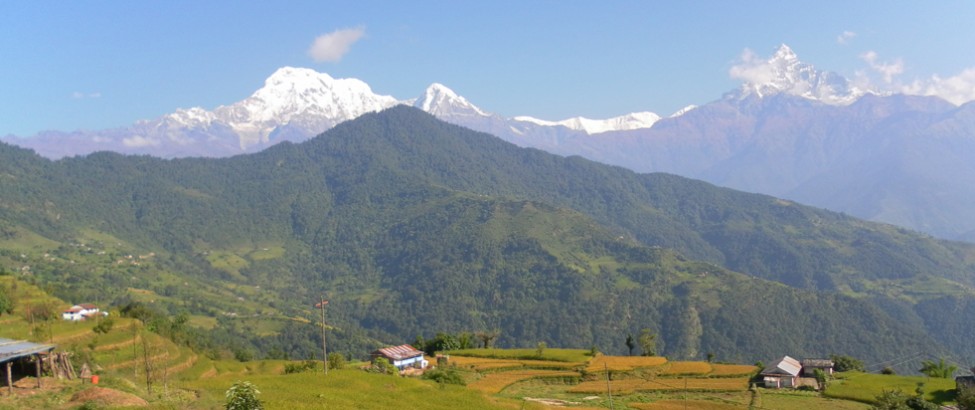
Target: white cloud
(139, 141)
(957, 89)
(78, 95)
(332, 46)
(845, 37)
(886, 69)
(752, 69)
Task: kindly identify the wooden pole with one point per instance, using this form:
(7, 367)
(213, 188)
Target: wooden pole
(324, 349)
(10, 379)
(37, 366)
(609, 390)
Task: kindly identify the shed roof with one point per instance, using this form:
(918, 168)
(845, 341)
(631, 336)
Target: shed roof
(399, 352)
(817, 363)
(785, 366)
(14, 349)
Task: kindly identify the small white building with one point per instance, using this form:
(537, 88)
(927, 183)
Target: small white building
(80, 312)
(402, 356)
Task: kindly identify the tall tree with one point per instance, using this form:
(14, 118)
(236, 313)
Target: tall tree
(648, 342)
(630, 343)
(939, 369)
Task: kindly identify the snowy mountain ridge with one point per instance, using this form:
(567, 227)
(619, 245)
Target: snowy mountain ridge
(298, 103)
(785, 73)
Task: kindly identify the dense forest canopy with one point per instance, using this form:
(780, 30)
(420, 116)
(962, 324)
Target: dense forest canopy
(411, 226)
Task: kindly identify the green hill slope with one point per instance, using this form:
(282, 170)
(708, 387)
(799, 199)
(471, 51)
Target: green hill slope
(413, 226)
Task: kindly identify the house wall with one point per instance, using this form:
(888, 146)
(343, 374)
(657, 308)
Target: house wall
(417, 361)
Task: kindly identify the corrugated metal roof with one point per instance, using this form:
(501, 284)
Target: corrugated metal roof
(13, 349)
(787, 365)
(399, 352)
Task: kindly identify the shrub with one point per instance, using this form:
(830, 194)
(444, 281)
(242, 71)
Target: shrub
(448, 376)
(298, 367)
(243, 396)
(104, 325)
(336, 360)
(382, 366)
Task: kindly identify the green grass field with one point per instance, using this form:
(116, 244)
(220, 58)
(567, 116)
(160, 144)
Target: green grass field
(864, 387)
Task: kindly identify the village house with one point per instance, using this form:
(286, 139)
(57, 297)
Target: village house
(809, 367)
(402, 357)
(81, 312)
(784, 373)
(789, 372)
(965, 382)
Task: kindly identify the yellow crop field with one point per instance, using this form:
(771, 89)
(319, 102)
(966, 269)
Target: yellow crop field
(681, 405)
(732, 370)
(695, 368)
(483, 364)
(628, 386)
(495, 382)
(624, 363)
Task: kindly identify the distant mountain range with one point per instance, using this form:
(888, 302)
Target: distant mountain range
(795, 132)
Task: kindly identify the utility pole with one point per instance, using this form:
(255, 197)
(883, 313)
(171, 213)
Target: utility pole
(324, 350)
(609, 390)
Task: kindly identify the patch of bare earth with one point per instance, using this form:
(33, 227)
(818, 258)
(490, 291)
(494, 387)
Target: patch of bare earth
(550, 402)
(108, 398)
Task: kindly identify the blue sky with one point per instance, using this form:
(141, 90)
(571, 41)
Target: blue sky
(104, 64)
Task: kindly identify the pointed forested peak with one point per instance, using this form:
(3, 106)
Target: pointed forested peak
(784, 73)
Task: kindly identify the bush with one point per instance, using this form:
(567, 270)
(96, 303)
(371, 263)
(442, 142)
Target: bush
(243, 396)
(382, 366)
(966, 399)
(104, 325)
(298, 367)
(448, 376)
(336, 360)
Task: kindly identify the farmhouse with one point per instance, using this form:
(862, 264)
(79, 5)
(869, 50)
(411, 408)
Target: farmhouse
(809, 367)
(789, 372)
(402, 356)
(784, 373)
(80, 312)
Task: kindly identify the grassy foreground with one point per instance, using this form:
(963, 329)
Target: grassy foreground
(347, 389)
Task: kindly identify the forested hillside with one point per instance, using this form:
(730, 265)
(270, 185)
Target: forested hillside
(411, 226)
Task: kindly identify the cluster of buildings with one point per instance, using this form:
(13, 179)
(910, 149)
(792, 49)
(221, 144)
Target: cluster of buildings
(789, 372)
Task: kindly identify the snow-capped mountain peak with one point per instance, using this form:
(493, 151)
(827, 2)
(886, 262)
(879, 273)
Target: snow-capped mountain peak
(632, 121)
(439, 100)
(785, 73)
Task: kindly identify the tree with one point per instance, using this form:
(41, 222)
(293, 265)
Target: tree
(540, 349)
(630, 343)
(966, 399)
(336, 360)
(820, 378)
(710, 357)
(648, 342)
(243, 396)
(846, 363)
(890, 400)
(488, 337)
(938, 369)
